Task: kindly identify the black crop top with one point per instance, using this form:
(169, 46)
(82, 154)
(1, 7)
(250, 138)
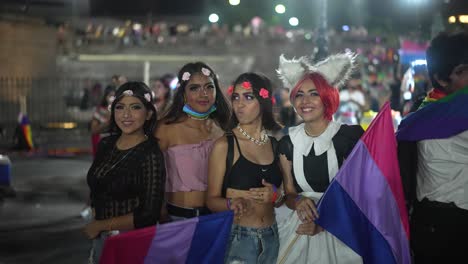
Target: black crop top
(246, 174)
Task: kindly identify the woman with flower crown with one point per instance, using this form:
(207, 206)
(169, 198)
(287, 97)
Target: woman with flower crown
(244, 173)
(127, 176)
(197, 117)
(310, 157)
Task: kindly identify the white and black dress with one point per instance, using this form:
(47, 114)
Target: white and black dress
(316, 161)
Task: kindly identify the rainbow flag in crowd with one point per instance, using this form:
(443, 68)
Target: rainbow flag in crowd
(364, 205)
(198, 240)
(25, 127)
(449, 113)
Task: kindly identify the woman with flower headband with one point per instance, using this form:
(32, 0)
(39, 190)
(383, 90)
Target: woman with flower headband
(310, 157)
(244, 176)
(127, 176)
(197, 117)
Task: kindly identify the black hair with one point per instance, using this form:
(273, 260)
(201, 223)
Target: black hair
(141, 91)
(446, 51)
(259, 81)
(223, 110)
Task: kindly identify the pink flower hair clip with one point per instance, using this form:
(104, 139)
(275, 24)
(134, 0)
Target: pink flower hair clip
(148, 97)
(230, 90)
(205, 72)
(247, 85)
(128, 92)
(186, 76)
(264, 93)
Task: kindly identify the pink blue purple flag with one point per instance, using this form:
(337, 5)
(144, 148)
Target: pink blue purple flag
(197, 240)
(449, 113)
(364, 205)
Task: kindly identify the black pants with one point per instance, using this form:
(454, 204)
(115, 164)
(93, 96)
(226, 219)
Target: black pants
(439, 233)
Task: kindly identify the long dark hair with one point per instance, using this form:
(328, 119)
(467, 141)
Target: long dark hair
(259, 81)
(223, 112)
(140, 91)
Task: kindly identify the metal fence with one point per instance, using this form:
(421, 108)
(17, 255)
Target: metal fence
(59, 109)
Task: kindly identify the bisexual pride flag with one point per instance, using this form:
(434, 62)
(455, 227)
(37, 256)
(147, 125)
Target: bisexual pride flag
(364, 205)
(197, 240)
(437, 119)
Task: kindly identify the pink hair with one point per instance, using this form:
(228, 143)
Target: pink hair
(328, 94)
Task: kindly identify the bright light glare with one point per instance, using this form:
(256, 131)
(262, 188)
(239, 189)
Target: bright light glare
(418, 62)
(463, 19)
(293, 21)
(280, 9)
(345, 28)
(213, 18)
(452, 19)
(234, 2)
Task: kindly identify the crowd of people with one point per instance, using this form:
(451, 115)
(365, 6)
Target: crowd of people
(201, 150)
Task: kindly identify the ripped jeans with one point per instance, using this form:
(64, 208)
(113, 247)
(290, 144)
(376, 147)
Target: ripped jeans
(252, 245)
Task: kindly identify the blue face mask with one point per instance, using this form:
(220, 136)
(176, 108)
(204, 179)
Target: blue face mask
(187, 109)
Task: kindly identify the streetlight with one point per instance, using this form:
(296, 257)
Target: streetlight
(234, 2)
(322, 41)
(293, 21)
(213, 18)
(280, 9)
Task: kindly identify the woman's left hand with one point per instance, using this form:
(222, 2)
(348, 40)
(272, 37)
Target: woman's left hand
(263, 194)
(310, 229)
(93, 229)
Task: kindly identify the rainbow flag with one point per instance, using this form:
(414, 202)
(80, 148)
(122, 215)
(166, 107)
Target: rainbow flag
(25, 126)
(364, 205)
(197, 240)
(449, 113)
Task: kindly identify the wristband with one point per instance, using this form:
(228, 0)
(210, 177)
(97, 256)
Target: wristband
(228, 203)
(275, 194)
(298, 198)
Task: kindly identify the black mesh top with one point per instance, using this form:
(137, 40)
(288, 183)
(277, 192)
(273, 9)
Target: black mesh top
(126, 181)
(316, 167)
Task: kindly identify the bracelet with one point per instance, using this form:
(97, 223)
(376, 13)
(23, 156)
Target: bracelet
(111, 222)
(228, 203)
(275, 194)
(298, 198)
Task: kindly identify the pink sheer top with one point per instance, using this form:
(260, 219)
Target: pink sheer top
(187, 167)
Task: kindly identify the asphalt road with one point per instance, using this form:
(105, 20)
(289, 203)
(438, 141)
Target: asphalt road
(42, 224)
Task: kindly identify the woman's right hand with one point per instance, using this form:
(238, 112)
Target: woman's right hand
(306, 210)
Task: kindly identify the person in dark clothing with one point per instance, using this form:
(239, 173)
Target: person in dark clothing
(434, 159)
(127, 177)
(249, 183)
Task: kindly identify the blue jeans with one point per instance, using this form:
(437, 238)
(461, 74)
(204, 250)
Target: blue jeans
(253, 245)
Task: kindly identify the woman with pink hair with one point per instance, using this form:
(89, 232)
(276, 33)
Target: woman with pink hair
(310, 156)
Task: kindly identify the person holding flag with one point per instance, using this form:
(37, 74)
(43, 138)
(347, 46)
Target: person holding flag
(311, 156)
(433, 155)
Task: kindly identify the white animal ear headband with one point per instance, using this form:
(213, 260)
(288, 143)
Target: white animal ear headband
(336, 69)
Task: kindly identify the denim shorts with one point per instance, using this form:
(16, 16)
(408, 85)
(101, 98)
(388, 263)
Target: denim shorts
(253, 245)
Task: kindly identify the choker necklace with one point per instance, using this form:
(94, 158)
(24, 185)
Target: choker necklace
(261, 141)
(200, 116)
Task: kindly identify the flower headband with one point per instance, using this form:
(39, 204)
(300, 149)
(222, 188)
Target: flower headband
(336, 69)
(186, 75)
(247, 85)
(147, 96)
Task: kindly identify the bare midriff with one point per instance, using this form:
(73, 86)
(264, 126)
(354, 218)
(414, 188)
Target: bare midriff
(190, 199)
(258, 215)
